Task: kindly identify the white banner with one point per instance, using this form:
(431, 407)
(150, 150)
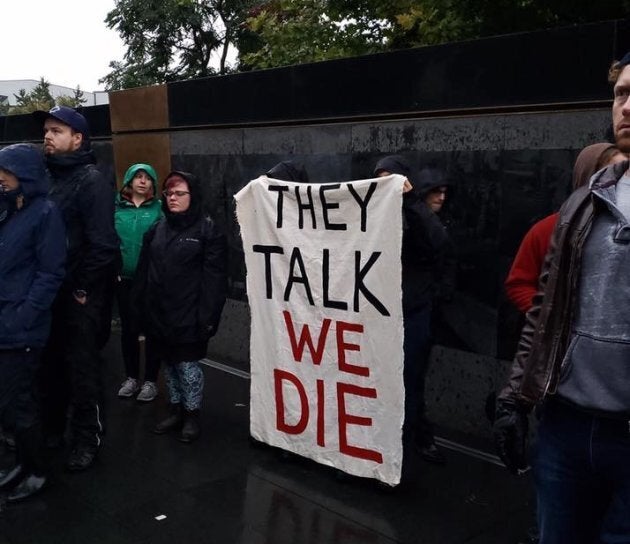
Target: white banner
(324, 289)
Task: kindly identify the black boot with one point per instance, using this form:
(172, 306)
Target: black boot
(30, 484)
(172, 422)
(81, 458)
(9, 477)
(190, 429)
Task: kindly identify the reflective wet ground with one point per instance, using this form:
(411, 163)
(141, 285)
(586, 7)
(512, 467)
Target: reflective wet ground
(225, 489)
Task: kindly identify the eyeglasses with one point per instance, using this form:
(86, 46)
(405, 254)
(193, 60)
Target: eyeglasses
(178, 194)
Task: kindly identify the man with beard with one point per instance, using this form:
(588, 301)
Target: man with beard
(572, 360)
(71, 368)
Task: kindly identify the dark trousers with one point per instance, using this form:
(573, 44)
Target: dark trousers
(582, 474)
(129, 338)
(71, 370)
(416, 347)
(19, 411)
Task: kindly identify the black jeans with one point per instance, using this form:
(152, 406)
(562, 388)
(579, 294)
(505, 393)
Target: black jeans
(129, 338)
(417, 348)
(72, 367)
(18, 407)
(19, 411)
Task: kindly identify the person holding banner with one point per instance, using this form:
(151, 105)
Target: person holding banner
(179, 294)
(288, 171)
(424, 241)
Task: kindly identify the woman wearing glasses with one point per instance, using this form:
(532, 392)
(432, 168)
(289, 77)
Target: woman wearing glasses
(137, 208)
(179, 295)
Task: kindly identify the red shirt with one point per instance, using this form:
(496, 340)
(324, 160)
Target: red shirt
(522, 282)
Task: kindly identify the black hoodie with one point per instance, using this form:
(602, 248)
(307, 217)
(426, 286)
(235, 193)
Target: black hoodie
(288, 171)
(181, 279)
(424, 239)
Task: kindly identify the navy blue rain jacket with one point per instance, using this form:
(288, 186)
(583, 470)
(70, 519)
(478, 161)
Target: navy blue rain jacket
(32, 253)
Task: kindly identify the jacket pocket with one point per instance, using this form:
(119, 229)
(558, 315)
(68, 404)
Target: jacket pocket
(597, 373)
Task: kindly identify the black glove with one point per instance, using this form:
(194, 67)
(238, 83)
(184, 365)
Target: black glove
(510, 435)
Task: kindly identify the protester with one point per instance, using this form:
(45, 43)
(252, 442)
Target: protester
(424, 242)
(137, 208)
(522, 282)
(32, 256)
(179, 295)
(573, 357)
(71, 367)
(288, 171)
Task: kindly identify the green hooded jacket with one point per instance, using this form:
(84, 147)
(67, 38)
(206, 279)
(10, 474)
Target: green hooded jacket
(132, 222)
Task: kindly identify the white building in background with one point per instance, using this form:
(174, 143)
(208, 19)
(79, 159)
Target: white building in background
(10, 87)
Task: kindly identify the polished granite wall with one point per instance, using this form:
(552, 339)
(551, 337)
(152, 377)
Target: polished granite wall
(507, 171)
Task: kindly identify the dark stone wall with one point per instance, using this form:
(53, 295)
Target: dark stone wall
(507, 171)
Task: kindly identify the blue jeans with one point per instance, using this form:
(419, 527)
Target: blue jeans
(582, 472)
(416, 347)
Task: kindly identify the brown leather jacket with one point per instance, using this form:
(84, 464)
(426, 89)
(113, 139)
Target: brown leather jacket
(547, 331)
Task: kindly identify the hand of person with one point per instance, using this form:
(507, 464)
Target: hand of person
(80, 296)
(510, 435)
(407, 186)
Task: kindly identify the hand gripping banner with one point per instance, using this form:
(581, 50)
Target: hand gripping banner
(324, 288)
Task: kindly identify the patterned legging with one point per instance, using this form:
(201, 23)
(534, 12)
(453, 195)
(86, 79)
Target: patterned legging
(185, 384)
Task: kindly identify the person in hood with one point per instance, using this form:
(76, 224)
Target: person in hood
(137, 208)
(522, 282)
(424, 242)
(288, 171)
(572, 361)
(71, 367)
(32, 258)
(179, 295)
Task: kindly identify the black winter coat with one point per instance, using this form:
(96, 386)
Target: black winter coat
(181, 283)
(86, 202)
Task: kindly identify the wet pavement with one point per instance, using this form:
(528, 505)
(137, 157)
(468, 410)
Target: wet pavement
(226, 489)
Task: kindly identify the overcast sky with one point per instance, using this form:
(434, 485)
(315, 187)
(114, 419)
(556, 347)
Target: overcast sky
(65, 41)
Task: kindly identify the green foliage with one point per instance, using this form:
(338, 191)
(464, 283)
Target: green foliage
(74, 101)
(297, 31)
(41, 99)
(171, 40)
(294, 31)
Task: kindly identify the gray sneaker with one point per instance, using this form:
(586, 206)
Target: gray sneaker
(128, 388)
(148, 392)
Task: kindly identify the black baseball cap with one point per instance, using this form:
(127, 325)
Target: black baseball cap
(624, 61)
(66, 115)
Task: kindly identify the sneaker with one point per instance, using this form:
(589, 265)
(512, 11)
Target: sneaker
(128, 388)
(148, 392)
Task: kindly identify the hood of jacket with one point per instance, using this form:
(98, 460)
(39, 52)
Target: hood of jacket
(430, 178)
(394, 164)
(26, 163)
(194, 212)
(588, 162)
(288, 171)
(60, 164)
(125, 191)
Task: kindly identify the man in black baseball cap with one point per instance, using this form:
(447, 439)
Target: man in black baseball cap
(71, 366)
(66, 115)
